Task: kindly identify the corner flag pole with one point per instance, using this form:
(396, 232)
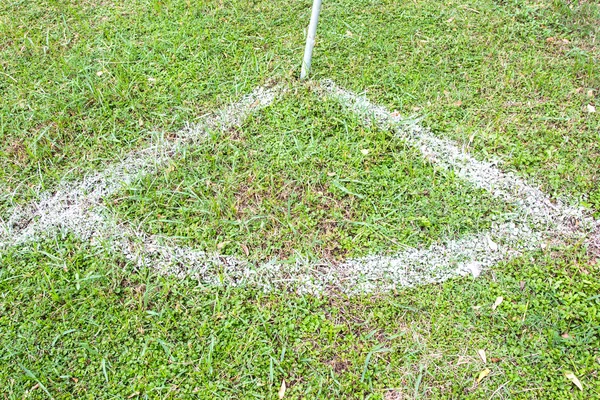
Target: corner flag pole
(310, 38)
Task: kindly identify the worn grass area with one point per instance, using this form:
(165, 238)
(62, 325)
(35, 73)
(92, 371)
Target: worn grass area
(83, 82)
(304, 178)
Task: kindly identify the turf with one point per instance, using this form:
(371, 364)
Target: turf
(82, 83)
(81, 325)
(510, 79)
(305, 179)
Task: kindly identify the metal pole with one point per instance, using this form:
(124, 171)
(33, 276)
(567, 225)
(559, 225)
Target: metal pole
(310, 38)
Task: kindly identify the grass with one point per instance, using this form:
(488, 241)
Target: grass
(306, 171)
(505, 78)
(82, 82)
(82, 329)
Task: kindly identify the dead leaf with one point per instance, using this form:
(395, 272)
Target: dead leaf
(365, 151)
(565, 335)
(590, 108)
(396, 114)
(221, 245)
(498, 301)
(132, 395)
(590, 93)
(349, 34)
(37, 385)
(458, 103)
(75, 379)
(450, 20)
(550, 40)
(481, 353)
(483, 374)
(495, 359)
(522, 285)
(571, 376)
(282, 390)
(99, 73)
(331, 174)
(245, 248)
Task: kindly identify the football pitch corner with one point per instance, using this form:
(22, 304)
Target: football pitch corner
(350, 196)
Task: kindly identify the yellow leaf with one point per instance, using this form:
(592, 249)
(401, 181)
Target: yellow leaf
(483, 374)
(571, 376)
(282, 390)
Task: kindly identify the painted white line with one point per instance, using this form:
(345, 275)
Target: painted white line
(538, 222)
(466, 256)
(77, 207)
(485, 175)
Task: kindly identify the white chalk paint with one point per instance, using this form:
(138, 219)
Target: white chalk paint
(538, 222)
(77, 208)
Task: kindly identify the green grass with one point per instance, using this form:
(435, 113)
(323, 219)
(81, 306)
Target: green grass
(161, 64)
(508, 79)
(521, 96)
(83, 326)
(294, 180)
(505, 78)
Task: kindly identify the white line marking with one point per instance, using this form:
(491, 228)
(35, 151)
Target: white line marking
(539, 219)
(77, 207)
(484, 175)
